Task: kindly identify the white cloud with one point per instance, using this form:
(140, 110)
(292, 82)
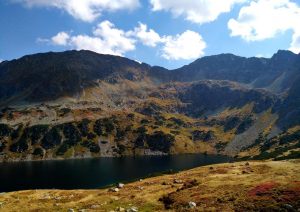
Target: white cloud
(1, 60)
(147, 37)
(61, 38)
(264, 19)
(295, 45)
(107, 39)
(85, 10)
(196, 11)
(115, 39)
(188, 45)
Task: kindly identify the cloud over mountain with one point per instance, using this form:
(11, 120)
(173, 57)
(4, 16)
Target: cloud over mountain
(265, 19)
(106, 38)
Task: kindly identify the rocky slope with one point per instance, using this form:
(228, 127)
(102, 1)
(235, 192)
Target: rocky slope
(244, 186)
(82, 104)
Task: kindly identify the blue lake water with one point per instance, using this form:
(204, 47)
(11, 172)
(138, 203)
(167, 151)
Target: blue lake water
(94, 173)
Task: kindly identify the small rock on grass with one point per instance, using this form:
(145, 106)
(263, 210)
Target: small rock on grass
(120, 209)
(178, 181)
(192, 204)
(288, 206)
(132, 209)
(120, 185)
(114, 189)
(140, 187)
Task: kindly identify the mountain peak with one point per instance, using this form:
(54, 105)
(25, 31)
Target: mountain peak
(284, 54)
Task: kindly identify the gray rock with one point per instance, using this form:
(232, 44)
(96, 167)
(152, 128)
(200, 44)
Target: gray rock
(192, 205)
(288, 206)
(120, 209)
(114, 189)
(178, 181)
(132, 209)
(120, 185)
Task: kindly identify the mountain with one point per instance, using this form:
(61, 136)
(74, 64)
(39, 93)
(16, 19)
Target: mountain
(274, 74)
(83, 104)
(49, 76)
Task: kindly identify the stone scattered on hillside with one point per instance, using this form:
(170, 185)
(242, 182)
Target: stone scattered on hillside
(192, 204)
(120, 185)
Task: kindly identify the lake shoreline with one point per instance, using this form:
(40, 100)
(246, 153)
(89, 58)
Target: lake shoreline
(96, 172)
(250, 186)
(106, 156)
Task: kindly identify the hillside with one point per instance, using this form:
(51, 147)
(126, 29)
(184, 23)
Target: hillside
(244, 186)
(78, 104)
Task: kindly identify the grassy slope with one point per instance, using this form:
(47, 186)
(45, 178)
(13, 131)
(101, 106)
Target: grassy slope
(266, 185)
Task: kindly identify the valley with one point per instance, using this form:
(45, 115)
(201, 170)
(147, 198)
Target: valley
(80, 104)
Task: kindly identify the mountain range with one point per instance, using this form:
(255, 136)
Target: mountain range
(77, 104)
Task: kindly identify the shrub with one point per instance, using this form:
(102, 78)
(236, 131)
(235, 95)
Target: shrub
(120, 134)
(246, 123)
(64, 111)
(72, 134)
(177, 121)
(131, 115)
(38, 152)
(2, 145)
(108, 124)
(62, 149)
(36, 132)
(122, 148)
(83, 127)
(91, 136)
(21, 145)
(144, 121)
(287, 138)
(141, 130)
(5, 130)
(140, 141)
(16, 133)
(93, 147)
(160, 141)
(51, 139)
(98, 127)
(231, 123)
(128, 128)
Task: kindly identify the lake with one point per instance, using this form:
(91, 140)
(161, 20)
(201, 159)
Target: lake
(94, 173)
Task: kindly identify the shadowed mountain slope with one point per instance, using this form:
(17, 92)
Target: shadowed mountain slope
(83, 104)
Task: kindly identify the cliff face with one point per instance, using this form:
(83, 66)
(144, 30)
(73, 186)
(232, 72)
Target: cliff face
(83, 104)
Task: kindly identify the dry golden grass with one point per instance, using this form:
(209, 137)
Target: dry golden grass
(239, 186)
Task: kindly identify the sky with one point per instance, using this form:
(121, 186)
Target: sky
(168, 33)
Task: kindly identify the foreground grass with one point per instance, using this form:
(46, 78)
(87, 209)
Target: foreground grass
(242, 186)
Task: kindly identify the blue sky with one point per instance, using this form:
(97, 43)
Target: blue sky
(159, 32)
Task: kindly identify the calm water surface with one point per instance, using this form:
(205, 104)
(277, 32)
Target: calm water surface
(94, 173)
